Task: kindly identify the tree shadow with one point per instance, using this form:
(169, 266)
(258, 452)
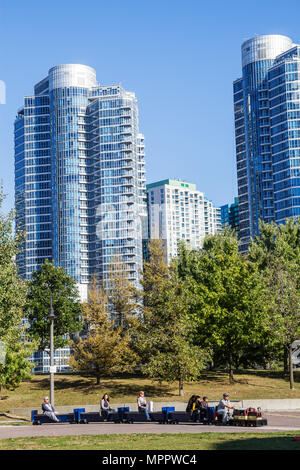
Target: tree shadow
(270, 374)
(213, 376)
(63, 383)
(89, 386)
(119, 389)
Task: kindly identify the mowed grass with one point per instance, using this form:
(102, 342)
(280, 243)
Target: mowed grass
(205, 441)
(78, 390)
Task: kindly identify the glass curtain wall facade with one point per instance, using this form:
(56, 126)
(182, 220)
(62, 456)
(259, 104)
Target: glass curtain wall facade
(253, 133)
(230, 215)
(118, 183)
(80, 177)
(284, 95)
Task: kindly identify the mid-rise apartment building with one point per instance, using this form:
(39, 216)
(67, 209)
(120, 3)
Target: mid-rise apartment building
(178, 211)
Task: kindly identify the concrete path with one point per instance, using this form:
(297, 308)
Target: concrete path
(277, 421)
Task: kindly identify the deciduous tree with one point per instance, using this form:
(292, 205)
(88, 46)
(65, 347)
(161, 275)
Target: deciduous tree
(53, 281)
(223, 289)
(104, 349)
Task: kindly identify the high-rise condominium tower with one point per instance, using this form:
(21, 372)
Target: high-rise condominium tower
(79, 176)
(178, 211)
(267, 129)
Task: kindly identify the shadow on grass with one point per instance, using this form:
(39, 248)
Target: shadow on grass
(213, 376)
(63, 383)
(259, 443)
(269, 374)
(115, 388)
(154, 390)
(222, 378)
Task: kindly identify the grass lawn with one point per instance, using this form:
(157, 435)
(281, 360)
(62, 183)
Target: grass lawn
(77, 390)
(205, 441)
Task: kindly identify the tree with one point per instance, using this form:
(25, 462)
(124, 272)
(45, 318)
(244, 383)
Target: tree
(223, 290)
(155, 273)
(164, 337)
(17, 367)
(12, 301)
(123, 297)
(104, 349)
(12, 287)
(277, 245)
(282, 241)
(53, 281)
(281, 300)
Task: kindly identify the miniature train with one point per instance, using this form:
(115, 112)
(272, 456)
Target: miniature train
(167, 415)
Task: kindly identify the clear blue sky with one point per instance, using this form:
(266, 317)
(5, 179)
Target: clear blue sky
(179, 57)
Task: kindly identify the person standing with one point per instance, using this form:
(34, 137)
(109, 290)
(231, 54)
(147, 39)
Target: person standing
(49, 410)
(142, 405)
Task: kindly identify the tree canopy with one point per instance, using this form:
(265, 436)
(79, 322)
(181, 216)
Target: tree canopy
(53, 281)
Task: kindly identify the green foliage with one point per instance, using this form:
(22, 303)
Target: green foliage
(165, 335)
(12, 301)
(53, 281)
(223, 288)
(276, 241)
(277, 253)
(12, 287)
(17, 367)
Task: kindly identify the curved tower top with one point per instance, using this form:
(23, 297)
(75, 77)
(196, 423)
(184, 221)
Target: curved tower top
(67, 75)
(264, 47)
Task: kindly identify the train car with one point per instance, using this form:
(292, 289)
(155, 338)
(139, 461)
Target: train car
(40, 418)
(140, 417)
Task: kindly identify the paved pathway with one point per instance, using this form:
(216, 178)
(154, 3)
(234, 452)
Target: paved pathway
(277, 421)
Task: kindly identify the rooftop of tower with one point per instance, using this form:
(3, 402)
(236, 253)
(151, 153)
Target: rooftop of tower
(264, 47)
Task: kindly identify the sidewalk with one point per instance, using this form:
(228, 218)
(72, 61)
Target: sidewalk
(277, 421)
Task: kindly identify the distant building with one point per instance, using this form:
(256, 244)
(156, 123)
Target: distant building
(230, 215)
(178, 211)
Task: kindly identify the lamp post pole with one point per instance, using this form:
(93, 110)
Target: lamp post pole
(51, 317)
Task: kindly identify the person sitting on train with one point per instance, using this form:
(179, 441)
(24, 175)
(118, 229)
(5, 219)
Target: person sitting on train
(225, 409)
(189, 406)
(142, 405)
(105, 408)
(196, 409)
(49, 410)
(204, 403)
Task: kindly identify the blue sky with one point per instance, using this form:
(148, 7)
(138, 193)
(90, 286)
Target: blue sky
(179, 57)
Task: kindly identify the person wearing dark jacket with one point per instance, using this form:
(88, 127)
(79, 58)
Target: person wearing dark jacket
(189, 406)
(105, 408)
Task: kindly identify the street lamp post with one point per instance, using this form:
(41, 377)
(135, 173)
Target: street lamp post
(51, 318)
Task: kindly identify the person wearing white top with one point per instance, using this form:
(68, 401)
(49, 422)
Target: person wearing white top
(225, 409)
(142, 405)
